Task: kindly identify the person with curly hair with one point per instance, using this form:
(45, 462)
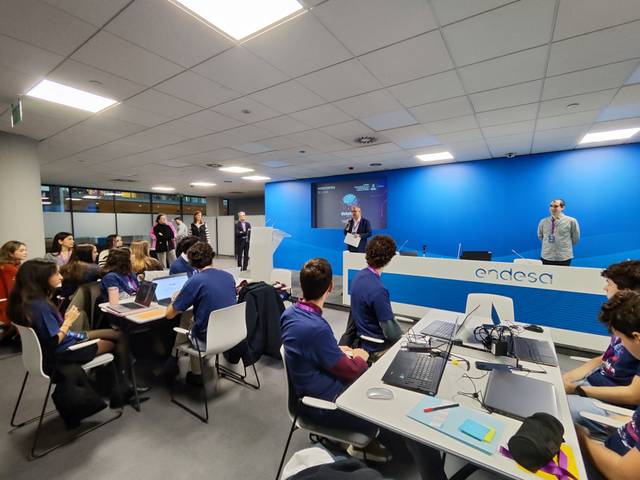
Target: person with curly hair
(370, 304)
(119, 273)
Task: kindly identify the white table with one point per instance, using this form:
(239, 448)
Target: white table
(391, 414)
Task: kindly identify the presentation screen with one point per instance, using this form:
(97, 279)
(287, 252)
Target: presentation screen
(332, 202)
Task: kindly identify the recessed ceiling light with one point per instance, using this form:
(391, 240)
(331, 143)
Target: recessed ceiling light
(228, 181)
(90, 197)
(73, 199)
(432, 157)
(203, 184)
(609, 135)
(112, 194)
(163, 189)
(573, 106)
(236, 169)
(241, 18)
(72, 97)
(46, 203)
(256, 178)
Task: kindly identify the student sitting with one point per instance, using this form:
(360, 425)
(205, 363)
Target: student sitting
(12, 254)
(182, 265)
(613, 377)
(119, 273)
(61, 248)
(80, 269)
(370, 304)
(619, 456)
(113, 241)
(211, 289)
(141, 261)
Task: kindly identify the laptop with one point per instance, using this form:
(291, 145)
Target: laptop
(417, 371)
(518, 396)
(143, 299)
(532, 350)
(446, 330)
(167, 286)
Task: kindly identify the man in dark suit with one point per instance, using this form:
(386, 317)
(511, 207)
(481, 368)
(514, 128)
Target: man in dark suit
(360, 227)
(243, 237)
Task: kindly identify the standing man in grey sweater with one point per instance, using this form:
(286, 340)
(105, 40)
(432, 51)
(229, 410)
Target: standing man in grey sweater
(558, 234)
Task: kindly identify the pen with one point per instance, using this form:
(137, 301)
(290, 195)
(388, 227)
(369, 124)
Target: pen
(441, 407)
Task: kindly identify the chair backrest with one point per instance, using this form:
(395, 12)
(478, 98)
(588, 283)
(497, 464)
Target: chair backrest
(31, 351)
(486, 301)
(527, 261)
(292, 400)
(227, 327)
(281, 275)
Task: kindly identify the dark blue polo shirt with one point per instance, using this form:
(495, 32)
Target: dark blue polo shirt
(181, 266)
(626, 437)
(46, 321)
(209, 290)
(311, 351)
(370, 305)
(125, 283)
(618, 367)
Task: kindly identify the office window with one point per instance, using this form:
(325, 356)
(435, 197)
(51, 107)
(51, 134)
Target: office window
(90, 200)
(54, 199)
(190, 205)
(225, 206)
(132, 202)
(167, 204)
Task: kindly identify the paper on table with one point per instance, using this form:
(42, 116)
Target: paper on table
(351, 239)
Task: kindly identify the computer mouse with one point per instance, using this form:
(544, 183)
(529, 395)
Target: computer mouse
(380, 393)
(534, 328)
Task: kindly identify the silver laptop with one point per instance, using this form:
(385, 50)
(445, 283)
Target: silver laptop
(519, 396)
(167, 286)
(143, 299)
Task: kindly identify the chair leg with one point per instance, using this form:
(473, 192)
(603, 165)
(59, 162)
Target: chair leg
(204, 419)
(236, 377)
(286, 447)
(464, 472)
(15, 410)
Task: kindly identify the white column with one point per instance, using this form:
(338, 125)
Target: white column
(20, 205)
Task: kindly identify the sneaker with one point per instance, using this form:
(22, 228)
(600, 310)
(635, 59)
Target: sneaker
(374, 452)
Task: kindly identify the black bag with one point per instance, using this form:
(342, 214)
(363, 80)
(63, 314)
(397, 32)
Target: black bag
(351, 469)
(537, 441)
(74, 397)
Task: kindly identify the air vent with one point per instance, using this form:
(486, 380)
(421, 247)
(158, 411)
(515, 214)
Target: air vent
(235, 192)
(366, 140)
(124, 180)
(214, 165)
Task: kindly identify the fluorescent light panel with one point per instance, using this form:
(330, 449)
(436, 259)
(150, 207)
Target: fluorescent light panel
(69, 96)
(236, 169)
(203, 184)
(432, 157)
(609, 135)
(241, 18)
(163, 189)
(256, 178)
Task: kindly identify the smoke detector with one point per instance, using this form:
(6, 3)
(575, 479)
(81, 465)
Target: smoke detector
(214, 165)
(366, 140)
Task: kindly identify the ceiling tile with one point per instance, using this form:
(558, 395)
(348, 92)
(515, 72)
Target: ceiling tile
(196, 89)
(41, 25)
(576, 17)
(518, 144)
(365, 25)
(348, 131)
(318, 140)
(26, 58)
(369, 104)
(588, 101)
(599, 78)
(83, 136)
(168, 31)
(507, 96)
(298, 46)
(452, 125)
(408, 60)
(341, 81)
(153, 138)
(14, 84)
(449, 11)
(509, 129)
(508, 115)
(240, 70)
(368, 151)
(514, 27)
(287, 97)
(635, 76)
(384, 121)
(253, 148)
(514, 68)
(428, 89)
(569, 120)
(557, 139)
(126, 112)
(598, 48)
(257, 111)
(157, 102)
(117, 56)
(83, 77)
(96, 12)
(321, 116)
(471, 150)
(118, 126)
(625, 104)
(473, 135)
(415, 136)
(283, 125)
(454, 107)
(210, 120)
(281, 143)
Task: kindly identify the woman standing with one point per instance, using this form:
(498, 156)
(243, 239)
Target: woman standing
(141, 261)
(165, 240)
(199, 228)
(61, 248)
(12, 254)
(113, 241)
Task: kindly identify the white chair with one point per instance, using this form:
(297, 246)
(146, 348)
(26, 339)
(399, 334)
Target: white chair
(527, 261)
(299, 420)
(283, 276)
(227, 328)
(32, 361)
(484, 302)
(151, 275)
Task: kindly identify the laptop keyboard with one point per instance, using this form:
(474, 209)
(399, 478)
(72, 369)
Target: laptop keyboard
(426, 372)
(531, 350)
(438, 328)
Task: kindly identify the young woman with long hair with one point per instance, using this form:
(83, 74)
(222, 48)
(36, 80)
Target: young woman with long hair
(141, 261)
(80, 269)
(12, 254)
(61, 248)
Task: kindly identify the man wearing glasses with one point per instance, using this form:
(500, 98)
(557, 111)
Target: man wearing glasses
(558, 234)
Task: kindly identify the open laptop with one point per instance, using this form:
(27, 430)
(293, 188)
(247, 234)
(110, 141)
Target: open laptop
(518, 396)
(143, 299)
(167, 286)
(446, 330)
(532, 350)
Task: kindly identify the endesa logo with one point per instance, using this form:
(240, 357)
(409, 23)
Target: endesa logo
(509, 275)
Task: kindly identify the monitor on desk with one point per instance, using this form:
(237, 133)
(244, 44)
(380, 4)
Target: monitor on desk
(482, 255)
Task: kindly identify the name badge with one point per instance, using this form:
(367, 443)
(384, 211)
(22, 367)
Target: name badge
(552, 239)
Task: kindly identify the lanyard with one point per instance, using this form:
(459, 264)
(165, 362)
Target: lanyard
(354, 226)
(553, 225)
(557, 469)
(309, 307)
(373, 271)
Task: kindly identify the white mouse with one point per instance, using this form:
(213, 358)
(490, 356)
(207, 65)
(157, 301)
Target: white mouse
(380, 393)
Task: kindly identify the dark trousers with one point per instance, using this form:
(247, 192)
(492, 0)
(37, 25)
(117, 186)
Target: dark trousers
(242, 253)
(561, 263)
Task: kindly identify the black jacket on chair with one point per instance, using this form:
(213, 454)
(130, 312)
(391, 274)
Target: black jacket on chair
(364, 230)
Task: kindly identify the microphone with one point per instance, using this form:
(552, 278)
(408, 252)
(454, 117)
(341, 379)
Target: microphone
(517, 253)
(266, 224)
(402, 246)
(424, 250)
(459, 249)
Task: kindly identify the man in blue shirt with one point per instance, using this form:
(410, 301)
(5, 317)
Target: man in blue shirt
(211, 289)
(370, 304)
(182, 265)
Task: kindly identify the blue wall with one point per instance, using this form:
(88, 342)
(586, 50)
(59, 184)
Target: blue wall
(487, 205)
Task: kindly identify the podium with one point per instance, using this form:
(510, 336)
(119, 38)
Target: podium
(264, 242)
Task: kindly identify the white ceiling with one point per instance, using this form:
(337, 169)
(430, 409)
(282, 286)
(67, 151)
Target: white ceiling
(479, 78)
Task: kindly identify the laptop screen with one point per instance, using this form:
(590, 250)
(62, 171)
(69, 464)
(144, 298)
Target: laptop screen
(144, 296)
(167, 286)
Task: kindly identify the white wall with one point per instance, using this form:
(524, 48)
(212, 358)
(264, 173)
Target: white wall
(134, 224)
(93, 224)
(226, 239)
(55, 222)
